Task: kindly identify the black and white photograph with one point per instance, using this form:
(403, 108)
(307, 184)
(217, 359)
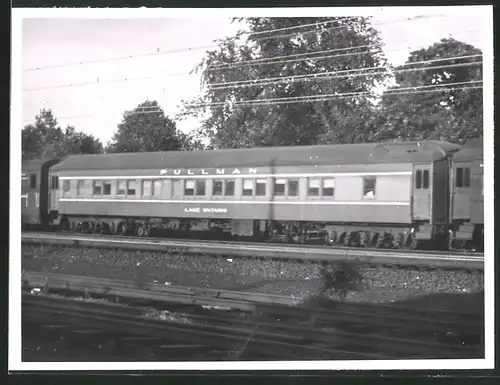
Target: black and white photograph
(251, 189)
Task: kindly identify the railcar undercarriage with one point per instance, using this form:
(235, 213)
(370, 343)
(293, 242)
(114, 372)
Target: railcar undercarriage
(365, 235)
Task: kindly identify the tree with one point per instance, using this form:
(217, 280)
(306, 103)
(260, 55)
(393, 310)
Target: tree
(454, 115)
(46, 140)
(147, 128)
(338, 46)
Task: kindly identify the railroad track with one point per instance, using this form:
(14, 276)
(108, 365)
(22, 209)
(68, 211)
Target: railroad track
(251, 341)
(155, 292)
(255, 250)
(396, 331)
(256, 337)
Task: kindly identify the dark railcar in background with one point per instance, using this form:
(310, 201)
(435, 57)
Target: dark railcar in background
(35, 193)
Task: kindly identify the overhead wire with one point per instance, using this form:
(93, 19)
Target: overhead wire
(327, 77)
(308, 55)
(335, 95)
(207, 47)
(305, 99)
(93, 83)
(329, 74)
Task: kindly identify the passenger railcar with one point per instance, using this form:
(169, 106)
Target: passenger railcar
(467, 203)
(385, 195)
(34, 193)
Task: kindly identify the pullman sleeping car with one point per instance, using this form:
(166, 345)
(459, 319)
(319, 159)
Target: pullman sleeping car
(380, 195)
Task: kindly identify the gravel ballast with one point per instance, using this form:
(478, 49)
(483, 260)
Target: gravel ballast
(379, 284)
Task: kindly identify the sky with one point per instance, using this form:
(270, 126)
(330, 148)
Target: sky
(162, 49)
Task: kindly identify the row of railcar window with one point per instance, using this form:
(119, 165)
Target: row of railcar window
(250, 187)
(317, 187)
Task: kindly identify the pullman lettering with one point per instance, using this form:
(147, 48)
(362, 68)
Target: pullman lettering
(203, 171)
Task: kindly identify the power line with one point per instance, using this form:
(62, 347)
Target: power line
(302, 33)
(224, 83)
(337, 72)
(325, 76)
(321, 97)
(206, 47)
(306, 55)
(302, 26)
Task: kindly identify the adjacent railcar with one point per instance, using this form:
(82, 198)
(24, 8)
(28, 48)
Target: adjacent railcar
(357, 194)
(467, 208)
(34, 193)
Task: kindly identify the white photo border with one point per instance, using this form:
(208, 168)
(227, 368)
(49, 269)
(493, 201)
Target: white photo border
(15, 342)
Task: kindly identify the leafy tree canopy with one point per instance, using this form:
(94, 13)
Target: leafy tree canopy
(228, 72)
(453, 114)
(46, 140)
(147, 128)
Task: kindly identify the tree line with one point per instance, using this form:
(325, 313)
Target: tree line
(305, 97)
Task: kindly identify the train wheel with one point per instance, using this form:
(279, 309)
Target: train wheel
(65, 225)
(458, 244)
(333, 237)
(140, 231)
(414, 244)
(364, 239)
(121, 229)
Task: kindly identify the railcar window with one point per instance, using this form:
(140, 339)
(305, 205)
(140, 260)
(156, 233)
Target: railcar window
(200, 188)
(79, 187)
(66, 187)
(459, 177)
(217, 187)
(176, 187)
(33, 181)
(157, 185)
(229, 191)
(189, 187)
(462, 177)
(247, 187)
(106, 187)
(328, 187)
(467, 177)
(279, 187)
(260, 187)
(122, 186)
(131, 186)
(147, 188)
(293, 188)
(55, 182)
(97, 188)
(313, 187)
(369, 185)
(418, 179)
(426, 179)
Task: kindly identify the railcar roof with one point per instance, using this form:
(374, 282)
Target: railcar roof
(32, 165)
(472, 150)
(36, 164)
(364, 153)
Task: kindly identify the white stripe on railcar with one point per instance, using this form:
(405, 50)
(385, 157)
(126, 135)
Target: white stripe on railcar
(230, 176)
(219, 202)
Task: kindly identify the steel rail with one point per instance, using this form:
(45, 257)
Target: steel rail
(251, 242)
(265, 251)
(279, 305)
(279, 334)
(46, 308)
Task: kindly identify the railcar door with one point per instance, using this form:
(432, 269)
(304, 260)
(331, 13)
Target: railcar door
(54, 193)
(422, 187)
(462, 194)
